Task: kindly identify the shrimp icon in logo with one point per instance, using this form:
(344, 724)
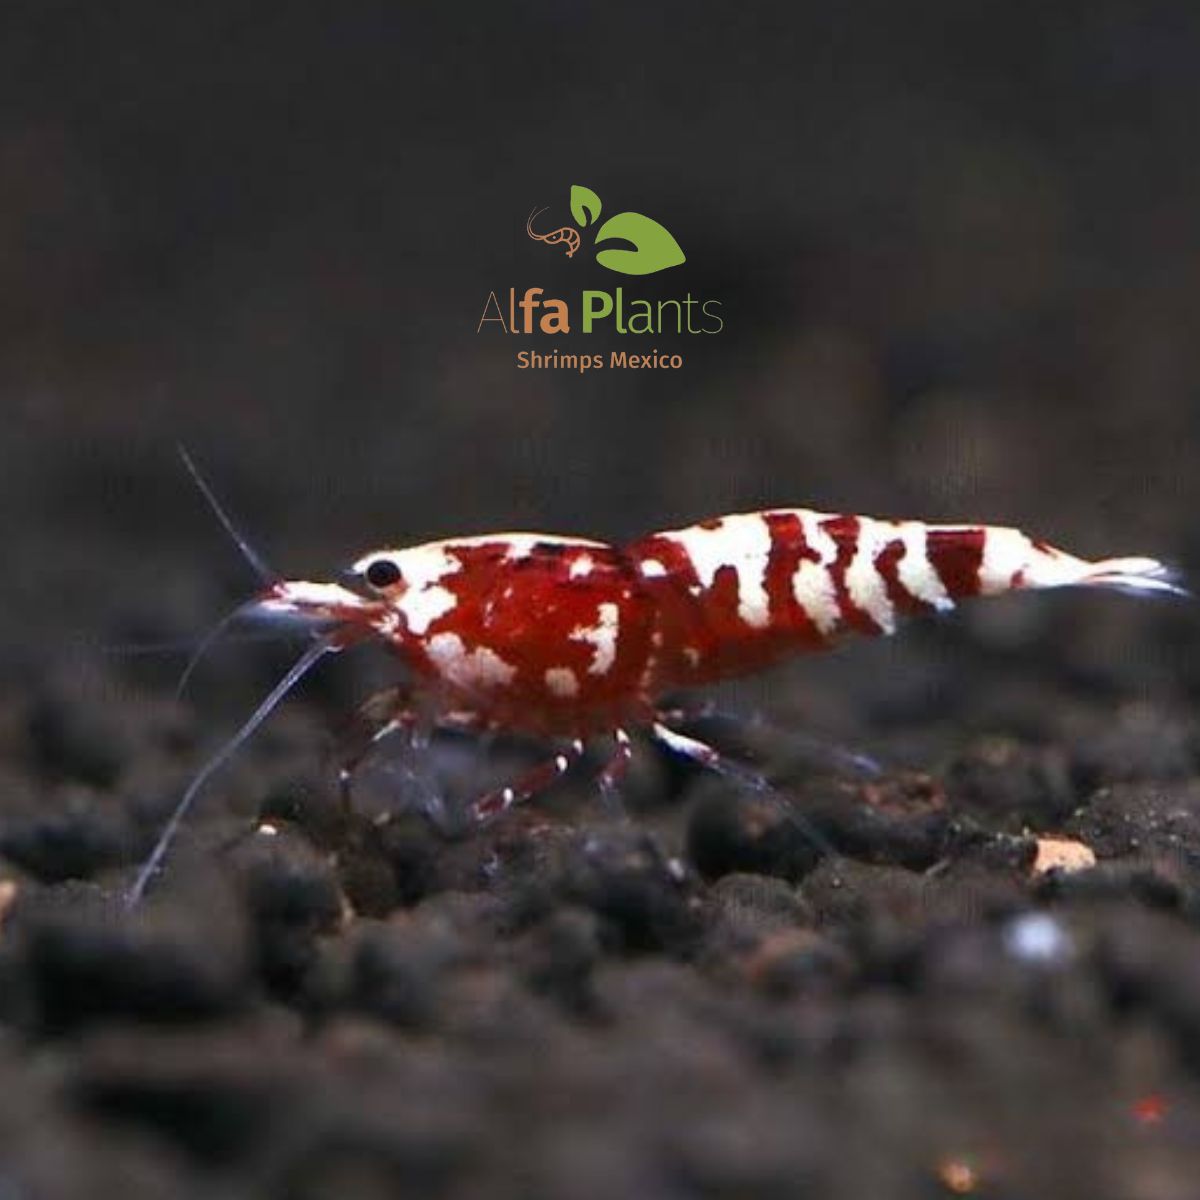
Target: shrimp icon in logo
(565, 234)
(654, 248)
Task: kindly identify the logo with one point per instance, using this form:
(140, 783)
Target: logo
(654, 247)
(627, 243)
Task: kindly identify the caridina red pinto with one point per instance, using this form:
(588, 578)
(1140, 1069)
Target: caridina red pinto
(572, 639)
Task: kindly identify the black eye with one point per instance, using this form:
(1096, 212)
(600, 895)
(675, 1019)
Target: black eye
(382, 573)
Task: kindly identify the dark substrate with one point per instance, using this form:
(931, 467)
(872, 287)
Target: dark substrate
(713, 996)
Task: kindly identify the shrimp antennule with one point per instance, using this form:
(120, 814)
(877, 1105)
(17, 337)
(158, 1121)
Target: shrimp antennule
(252, 556)
(318, 649)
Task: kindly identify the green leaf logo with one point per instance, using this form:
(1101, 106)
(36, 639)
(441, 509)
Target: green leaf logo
(654, 248)
(585, 205)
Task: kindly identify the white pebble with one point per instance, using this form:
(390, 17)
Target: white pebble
(1037, 937)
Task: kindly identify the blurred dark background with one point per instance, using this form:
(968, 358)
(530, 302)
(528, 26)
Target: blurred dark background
(955, 246)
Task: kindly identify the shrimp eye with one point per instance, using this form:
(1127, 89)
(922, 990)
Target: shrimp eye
(382, 573)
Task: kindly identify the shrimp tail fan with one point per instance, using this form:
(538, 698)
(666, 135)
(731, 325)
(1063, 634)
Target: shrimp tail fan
(1135, 577)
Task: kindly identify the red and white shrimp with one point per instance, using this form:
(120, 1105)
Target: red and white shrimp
(571, 639)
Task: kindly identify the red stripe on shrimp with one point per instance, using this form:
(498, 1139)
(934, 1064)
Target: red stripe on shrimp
(789, 547)
(845, 531)
(956, 554)
(887, 563)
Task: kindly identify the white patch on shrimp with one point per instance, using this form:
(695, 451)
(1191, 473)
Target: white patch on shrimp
(562, 682)
(471, 670)
(816, 537)
(602, 636)
(1005, 552)
(916, 573)
(422, 598)
(651, 568)
(582, 566)
(864, 583)
(812, 583)
(422, 606)
(742, 542)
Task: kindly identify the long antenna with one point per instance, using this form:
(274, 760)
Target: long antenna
(148, 869)
(209, 640)
(264, 572)
(167, 646)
